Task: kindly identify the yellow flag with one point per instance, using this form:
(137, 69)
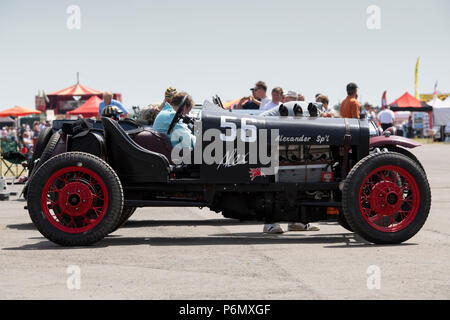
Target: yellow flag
(417, 71)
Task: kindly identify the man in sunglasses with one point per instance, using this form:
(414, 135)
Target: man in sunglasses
(258, 99)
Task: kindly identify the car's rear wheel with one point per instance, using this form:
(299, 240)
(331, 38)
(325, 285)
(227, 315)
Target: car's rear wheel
(127, 212)
(386, 198)
(75, 199)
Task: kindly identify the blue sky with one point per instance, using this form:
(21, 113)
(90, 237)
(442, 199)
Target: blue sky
(212, 47)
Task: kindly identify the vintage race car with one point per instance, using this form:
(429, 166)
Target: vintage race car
(85, 182)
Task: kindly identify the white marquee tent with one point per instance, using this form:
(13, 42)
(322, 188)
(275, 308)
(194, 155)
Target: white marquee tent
(441, 112)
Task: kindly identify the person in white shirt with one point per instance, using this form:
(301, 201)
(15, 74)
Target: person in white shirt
(326, 112)
(257, 99)
(386, 118)
(260, 92)
(277, 98)
(269, 226)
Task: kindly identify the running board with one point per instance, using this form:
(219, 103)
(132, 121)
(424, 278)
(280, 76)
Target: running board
(162, 203)
(320, 204)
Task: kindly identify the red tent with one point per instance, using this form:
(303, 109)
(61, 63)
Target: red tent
(408, 103)
(88, 109)
(18, 112)
(76, 90)
(68, 99)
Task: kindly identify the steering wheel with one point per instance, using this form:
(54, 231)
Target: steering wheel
(178, 115)
(218, 101)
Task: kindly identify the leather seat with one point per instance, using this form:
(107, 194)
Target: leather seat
(133, 163)
(154, 141)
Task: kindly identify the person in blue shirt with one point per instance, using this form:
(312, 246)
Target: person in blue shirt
(109, 101)
(181, 135)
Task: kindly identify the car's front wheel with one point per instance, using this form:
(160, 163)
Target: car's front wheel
(386, 198)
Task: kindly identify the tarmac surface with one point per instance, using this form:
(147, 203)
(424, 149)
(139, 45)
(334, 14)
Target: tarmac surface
(189, 253)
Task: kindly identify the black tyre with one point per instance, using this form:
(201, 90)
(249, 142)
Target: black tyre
(41, 143)
(25, 189)
(343, 222)
(75, 199)
(48, 151)
(127, 212)
(386, 198)
(406, 153)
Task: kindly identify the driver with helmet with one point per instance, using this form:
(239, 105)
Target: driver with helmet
(112, 112)
(179, 134)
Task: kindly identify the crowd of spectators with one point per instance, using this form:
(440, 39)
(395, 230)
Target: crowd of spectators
(23, 136)
(260, 100)
(350, 107)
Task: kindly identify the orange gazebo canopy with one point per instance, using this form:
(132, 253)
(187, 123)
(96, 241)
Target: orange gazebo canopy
(18, 112)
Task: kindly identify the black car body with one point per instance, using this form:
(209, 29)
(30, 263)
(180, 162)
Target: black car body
(320, 164)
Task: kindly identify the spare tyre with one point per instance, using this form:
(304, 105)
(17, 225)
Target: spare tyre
(46, 154)
(41, 143)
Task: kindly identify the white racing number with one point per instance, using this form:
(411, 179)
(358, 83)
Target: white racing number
(245, 129)
(231, 125)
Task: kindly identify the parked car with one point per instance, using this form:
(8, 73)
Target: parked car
(87, 181)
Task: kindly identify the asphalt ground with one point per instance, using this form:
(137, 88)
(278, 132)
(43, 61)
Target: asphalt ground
(190, 253)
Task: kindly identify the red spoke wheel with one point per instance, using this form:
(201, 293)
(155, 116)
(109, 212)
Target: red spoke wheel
(389, 198)
(75, 199)
(386, 198)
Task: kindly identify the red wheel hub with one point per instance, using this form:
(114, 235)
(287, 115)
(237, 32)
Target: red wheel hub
(389, 198)
(386, 198)
(74, 199)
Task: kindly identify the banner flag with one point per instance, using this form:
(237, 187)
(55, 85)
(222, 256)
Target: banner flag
(435, 92)
(383, 101)
(417, 71)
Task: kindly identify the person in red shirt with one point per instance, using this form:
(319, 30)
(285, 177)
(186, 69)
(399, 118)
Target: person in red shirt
(350, 107)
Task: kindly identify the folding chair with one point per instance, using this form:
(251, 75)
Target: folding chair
(10, 157)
